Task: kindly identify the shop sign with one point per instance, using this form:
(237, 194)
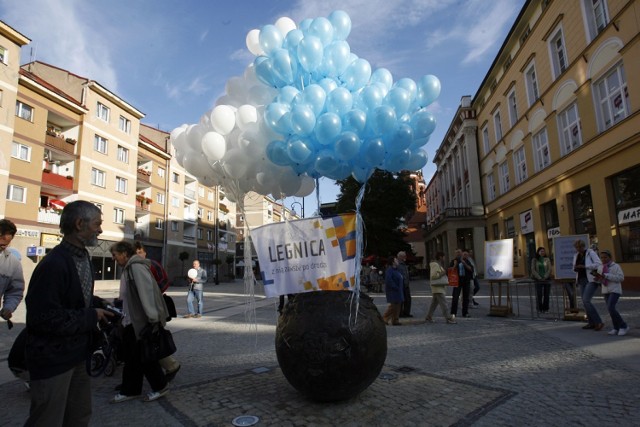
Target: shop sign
(526, 222)
(553, 232)
(28, 233)
(629, 215)
(50, 240)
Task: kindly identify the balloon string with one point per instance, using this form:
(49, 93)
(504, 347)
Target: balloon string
(359, 248)
(318, 195)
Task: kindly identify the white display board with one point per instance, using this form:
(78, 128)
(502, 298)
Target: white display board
(563, 253)
(498, 256)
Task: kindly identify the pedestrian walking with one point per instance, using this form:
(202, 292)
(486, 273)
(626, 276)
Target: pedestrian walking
(393, 288)
(196, 291)
(438, 281)
(11, 276)
(465, 273)
(405, 310)
(611, 279)
(585, 263)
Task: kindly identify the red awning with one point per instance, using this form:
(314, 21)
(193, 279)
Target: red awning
(57, 204)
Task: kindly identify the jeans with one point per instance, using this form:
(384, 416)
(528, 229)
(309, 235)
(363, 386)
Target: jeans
(465, 288)
(542, 295)
(197, 294)
(406, 304)
(616, 319)
(588, 292)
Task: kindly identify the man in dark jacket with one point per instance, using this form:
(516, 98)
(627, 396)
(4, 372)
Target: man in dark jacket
(60, 320)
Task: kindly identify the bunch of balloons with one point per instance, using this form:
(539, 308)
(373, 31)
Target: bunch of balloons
(308, 107)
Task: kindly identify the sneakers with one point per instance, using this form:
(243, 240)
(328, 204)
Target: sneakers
(169, 376)
(588, 326)
(197, 316)
(475, 303)
(428, 319)
(598, 326)
(613, 332)
(466, 315)
(155, 395)
(623, 331)
(122, 398)
(452, 320)
(187, 316)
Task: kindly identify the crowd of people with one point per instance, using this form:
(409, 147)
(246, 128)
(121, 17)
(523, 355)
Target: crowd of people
(62, 312)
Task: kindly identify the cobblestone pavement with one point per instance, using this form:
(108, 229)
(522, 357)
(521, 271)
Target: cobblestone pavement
(484, 371)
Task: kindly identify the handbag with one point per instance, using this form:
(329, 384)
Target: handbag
(453, 276)
(442, 280)
(156, 343)
(171, 306)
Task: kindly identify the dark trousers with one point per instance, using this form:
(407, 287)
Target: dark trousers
(406, 304)
(542, 295)
(465, 288)
(135, 370)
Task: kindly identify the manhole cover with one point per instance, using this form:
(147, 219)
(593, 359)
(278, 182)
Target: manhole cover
(387, 376)
(245, 420)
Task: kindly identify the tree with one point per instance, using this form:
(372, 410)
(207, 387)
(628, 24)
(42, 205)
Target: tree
(387, 198)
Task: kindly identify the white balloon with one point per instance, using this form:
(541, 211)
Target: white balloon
(213, 146)
(249, 75)
(179, 141)
(197, 164)
(194, 137)
(261, 94)
(178, 131)
(236, 89)
(307, 186)
(253, 42)
(192, 273)
(235, 163)
(223, 119)
(284, 25)
(289, 183)
(246, 114)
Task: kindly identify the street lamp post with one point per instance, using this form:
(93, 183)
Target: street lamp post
(301, 207)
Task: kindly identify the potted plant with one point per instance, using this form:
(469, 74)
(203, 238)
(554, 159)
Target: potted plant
(71, 141)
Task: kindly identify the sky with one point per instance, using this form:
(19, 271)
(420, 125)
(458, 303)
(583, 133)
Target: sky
(171, 59)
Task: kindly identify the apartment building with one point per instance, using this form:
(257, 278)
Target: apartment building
(11, 42)
(557, 134)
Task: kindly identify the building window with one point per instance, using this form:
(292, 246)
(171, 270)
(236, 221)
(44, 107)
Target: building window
(209, 235)
(612, 97)
(174, 225)
(118, 215)
(491, 187)
(210, 195)
(497, 123)
(103, 112)
(209, 215)
(175, 178)
(627, 204)
(20, 151)
(541, 154)
(582, 210)
(175, 202)
(121, 185)
(531, 82)
(159, 224)
(558, 53)
(509, 227)
(4, 54)
(160, 198)
(123, 154)
(520, 163)
(98, 177)
(569, 128)
(199, 233)
(485, 140)
(15, 193)
(597, 16)
(551, 222)
(200, 191)
(24, 111)
(496, 231)
(503, 170)
(513, 108)
(124, 124)
(161, 172)
(200, 212)
(100, 144)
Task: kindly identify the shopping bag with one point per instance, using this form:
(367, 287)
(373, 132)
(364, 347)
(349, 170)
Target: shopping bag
(452, 275)
(156, 343)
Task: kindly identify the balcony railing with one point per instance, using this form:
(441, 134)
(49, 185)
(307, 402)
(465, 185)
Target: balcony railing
(142, 205)
(48, 217)
(144, 176)
(449, 213)
(191, 194)
(60, 143)
(55, 180)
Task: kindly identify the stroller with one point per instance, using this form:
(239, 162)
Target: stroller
(103, 358)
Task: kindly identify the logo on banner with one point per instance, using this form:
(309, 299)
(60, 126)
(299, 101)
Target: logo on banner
(307, 255)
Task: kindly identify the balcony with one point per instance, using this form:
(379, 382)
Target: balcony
(144, 176)
(449, 213)
(48, 216)
(67, 145)
(142, 205)
(58, 181)
(190, 194)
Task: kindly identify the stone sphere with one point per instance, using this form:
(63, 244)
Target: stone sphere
(324, 351)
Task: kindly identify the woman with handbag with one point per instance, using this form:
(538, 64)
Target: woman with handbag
(145, 312)
(439, 282)
(393, 288)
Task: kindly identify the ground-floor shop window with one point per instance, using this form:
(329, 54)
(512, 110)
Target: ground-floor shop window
(626, 190)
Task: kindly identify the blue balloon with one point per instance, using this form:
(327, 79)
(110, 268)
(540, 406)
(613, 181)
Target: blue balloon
(399, 99)
(384, 76)
(397, 161)
(288, 95)
(355, 121)
(277, 152)
(292, 40)
(369, 98)
(341, 24)
(315, 96)
(336, 57)
(264, 71)
(303, 119)
(423, 124)
(328, 127)
(270, 38)
(361, 174)
(325, 162)
(305, 24)
(282, 65)
(322, 29)
(347, 145)
(339, 101)
(278, 117)
(417, 161)
(298, 151)
(310, 52)
(402, 138)
(428, 90)
(328, 84)
(383, 120)
(357, 74)
(408, 85)
(373, 152)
